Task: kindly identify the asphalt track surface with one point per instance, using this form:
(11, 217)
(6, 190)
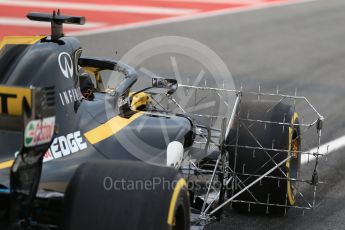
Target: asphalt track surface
(297, 46)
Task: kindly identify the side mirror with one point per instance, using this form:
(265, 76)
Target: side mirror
(163, 83)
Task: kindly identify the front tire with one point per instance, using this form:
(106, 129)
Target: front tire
(281, 190)
(92, 201)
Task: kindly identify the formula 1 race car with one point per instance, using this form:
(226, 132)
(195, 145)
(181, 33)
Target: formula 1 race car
(76, 154)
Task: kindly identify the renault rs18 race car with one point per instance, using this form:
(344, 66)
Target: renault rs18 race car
(76, 154)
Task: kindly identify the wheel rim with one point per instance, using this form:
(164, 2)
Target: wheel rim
(293, 164)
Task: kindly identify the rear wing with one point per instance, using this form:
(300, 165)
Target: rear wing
(30, 111)
(19, 105)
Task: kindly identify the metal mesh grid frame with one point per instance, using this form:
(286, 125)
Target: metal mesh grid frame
(310, 122)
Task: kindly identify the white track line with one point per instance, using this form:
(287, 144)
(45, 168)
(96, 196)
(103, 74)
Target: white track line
(186, 18)
(216, 1)
(9, 21)
(100, 7)
(325, 149)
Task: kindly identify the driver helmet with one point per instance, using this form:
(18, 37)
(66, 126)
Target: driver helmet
(87, 87)
(140, 101)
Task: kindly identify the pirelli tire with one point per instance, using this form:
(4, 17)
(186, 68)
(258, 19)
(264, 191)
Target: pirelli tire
(280, 192)
(113, 195)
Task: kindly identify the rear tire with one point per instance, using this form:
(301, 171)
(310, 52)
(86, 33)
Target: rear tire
(97, 199)
(287, 137)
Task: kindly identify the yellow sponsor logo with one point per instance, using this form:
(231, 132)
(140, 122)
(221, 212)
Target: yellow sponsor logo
(11, 100)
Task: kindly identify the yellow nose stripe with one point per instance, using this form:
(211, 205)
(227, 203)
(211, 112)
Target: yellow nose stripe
(109, 128)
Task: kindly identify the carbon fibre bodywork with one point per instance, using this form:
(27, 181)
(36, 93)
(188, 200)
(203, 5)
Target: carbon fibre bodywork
(143, 136)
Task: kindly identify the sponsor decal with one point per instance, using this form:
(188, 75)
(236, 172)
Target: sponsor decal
(65, 145)
(66, 65)
(39, 132)
(70, 96)
(4, 101)
(12, 98)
